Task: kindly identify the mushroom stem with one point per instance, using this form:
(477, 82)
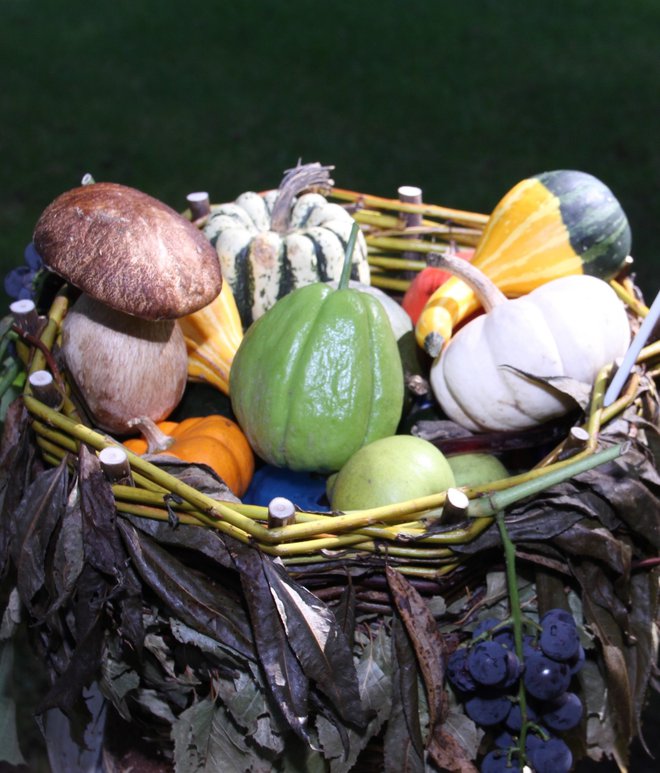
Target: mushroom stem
(157, 440)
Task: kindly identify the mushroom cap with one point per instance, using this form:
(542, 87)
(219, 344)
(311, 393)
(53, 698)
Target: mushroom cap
(129, 251)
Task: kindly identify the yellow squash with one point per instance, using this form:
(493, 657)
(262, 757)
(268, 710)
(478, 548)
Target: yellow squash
(212, 335)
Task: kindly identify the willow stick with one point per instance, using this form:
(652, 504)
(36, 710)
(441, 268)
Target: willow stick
(59, 444)
(397, 264)
(205, 503)
(197, 519)
(492, 503)
(48, 336)
(390, 283)
(432, 210)
(641, 309)
(403, 245)
(136, 495)
(649, 352)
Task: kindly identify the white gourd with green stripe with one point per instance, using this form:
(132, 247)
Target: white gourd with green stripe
(271, 243)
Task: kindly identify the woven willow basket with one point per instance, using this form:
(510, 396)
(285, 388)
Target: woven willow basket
(378, 572)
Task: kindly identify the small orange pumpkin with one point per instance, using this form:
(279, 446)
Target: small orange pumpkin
(214, 440)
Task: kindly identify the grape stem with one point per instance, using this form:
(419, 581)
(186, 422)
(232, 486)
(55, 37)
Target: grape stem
(517, 622)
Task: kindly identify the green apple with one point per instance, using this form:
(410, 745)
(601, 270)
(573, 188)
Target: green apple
(393, 469)
(475, 469)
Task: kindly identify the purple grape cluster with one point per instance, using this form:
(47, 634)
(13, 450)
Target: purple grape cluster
(487, 675)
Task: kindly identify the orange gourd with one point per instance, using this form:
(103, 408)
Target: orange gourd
(212, 440)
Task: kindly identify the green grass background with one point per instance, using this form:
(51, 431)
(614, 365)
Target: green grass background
(461, 98)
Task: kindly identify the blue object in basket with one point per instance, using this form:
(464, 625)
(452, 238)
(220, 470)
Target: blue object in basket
(304, 489)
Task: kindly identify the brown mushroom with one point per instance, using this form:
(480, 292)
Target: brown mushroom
(129, 251)
(140, 266)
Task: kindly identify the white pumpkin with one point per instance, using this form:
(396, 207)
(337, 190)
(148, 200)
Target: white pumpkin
(271, 243)
(570, 327)
(399, 318)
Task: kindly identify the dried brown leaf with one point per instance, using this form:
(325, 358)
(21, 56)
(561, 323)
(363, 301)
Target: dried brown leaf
(427, 641)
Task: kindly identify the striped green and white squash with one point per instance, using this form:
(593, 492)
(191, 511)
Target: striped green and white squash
(271, 243)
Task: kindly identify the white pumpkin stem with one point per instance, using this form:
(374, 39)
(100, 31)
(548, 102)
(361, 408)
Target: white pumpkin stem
(157, 440)
(294, 182)
(487, 291)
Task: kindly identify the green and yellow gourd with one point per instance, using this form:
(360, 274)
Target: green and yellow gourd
(271, 243)
(553, 224)
(318, 376)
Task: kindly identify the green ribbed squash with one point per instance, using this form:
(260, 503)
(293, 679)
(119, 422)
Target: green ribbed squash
(316, 377)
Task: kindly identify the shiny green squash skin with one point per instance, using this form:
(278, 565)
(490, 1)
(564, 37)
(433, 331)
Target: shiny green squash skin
(316, 377)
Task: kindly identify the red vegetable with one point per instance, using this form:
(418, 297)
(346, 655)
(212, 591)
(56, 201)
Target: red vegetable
(425, 284)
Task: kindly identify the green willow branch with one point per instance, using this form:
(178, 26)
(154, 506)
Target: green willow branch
(432, 210)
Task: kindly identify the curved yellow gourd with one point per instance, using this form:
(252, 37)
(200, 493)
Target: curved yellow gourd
(551, 225)
(212, 335)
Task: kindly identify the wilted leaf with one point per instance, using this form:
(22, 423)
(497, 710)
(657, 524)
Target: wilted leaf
(218, 654)
(374, 672)
(15, 456)
(69, 554)
(186, 594)
(244, 698)
(102, 547)
(318, 642)
(586, 540)
(207, 542)
(403, 741)
(283, 672)
(199, 476)
(206, 741)
(32, 526)
(463, 729)
(345, 612)
(578, 391)
(81, 667)
(604, 626)
(118, 679)
(10, 751)
(427, 641)
(448, 754)
(641, 652)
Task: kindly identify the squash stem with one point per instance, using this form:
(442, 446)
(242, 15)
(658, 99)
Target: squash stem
(294, 182)
(486, 290)
(348, 258)
(157, 440)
